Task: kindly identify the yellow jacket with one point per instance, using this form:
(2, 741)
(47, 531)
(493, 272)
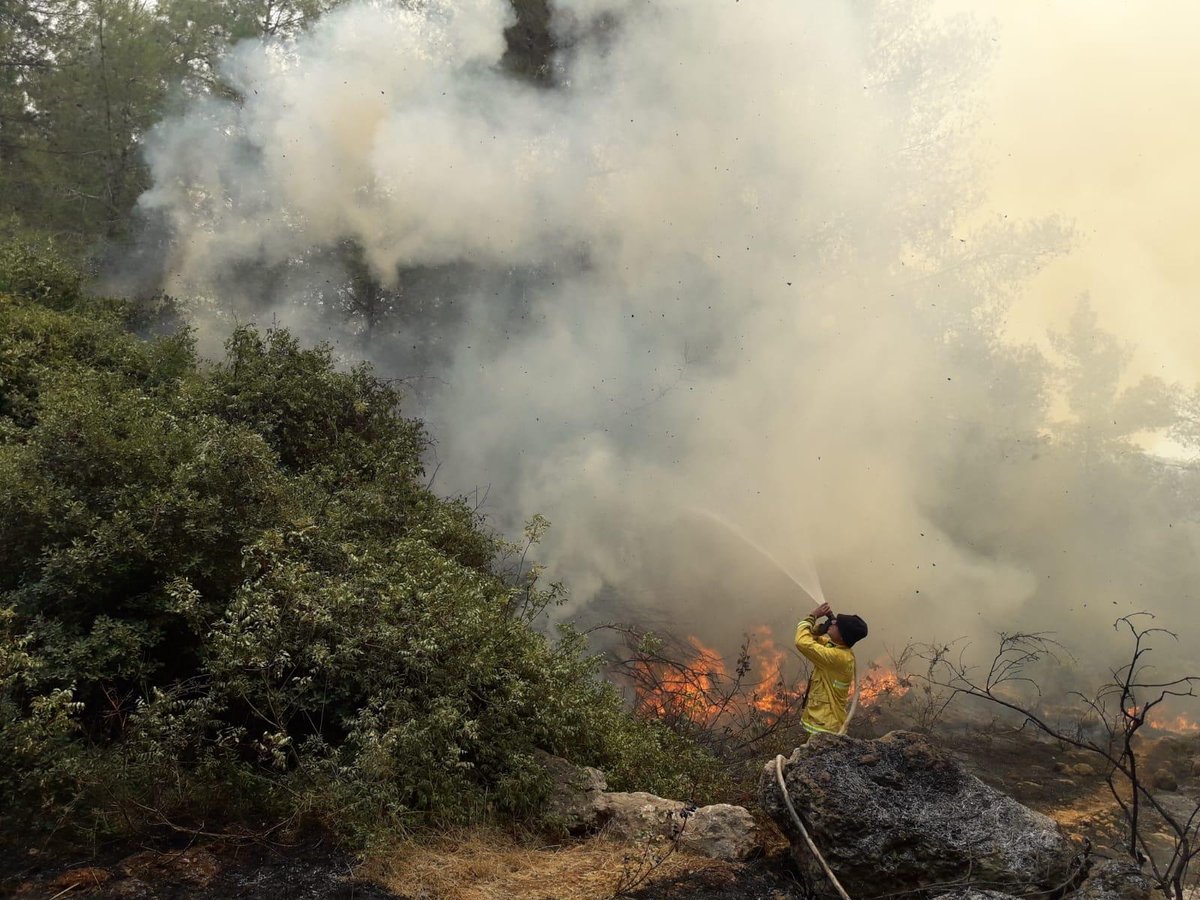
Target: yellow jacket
(833, 673)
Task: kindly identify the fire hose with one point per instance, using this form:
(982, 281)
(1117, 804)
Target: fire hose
(804, 831)
(853, 703)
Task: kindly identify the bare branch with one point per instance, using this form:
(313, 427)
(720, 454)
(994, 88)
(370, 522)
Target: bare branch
(1120, 706)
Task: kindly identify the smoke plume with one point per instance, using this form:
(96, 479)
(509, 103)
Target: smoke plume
(705, 279)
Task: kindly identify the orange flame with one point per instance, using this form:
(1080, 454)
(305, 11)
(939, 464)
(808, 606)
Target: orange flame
(1160, 721)
(1174, 724)
(703, 690)
(767, 659)
(687, 691)
(879, 683)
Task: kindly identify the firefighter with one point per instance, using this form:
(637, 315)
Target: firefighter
(833, 667)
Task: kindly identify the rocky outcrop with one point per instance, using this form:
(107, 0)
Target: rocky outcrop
(579, 804)
(896, 814)
(720, 831)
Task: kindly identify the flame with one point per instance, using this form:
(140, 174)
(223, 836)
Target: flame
(1173, 724)
(767, 659)
(880, 682)
(686, 691)
(1160, 721)
(703, 690)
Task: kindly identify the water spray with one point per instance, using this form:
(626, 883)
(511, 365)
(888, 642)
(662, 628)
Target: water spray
(818, 596)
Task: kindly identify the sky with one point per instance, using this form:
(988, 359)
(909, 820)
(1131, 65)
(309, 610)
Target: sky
(759, 286)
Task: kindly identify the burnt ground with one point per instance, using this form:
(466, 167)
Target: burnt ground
(769, 878)
(305, 871)
(1066, 784)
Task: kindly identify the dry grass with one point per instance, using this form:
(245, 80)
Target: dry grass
(493, 865)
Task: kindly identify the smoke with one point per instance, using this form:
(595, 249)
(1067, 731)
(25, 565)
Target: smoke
(1084, 116)
(717, 265)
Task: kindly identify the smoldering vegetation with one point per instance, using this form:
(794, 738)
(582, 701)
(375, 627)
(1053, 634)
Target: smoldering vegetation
(647, 269)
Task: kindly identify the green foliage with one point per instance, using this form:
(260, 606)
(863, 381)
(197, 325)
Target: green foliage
(207, 28)
(83, 82)
(226, 592)
(36, 736)
(97, 75)
(44, 277)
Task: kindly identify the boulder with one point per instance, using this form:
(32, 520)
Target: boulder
(897, 814)
(1115, 880)
(638, 815)
(722, 831)
(579, 802)
(573, 794)
(719, 831)
(1082, 770)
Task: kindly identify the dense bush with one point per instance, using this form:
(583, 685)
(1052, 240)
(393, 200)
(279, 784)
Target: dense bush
(226, 593)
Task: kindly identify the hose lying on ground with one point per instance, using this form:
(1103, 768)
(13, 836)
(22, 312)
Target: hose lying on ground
(804, 831)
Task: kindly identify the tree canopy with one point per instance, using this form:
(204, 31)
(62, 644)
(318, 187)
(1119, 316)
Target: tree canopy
(83, 81)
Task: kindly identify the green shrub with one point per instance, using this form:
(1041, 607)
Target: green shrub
(45, 276)
(227, 595)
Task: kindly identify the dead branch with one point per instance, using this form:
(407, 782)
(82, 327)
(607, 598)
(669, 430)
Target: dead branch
(1120, 707)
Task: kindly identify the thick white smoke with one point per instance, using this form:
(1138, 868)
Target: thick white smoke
(714, 270)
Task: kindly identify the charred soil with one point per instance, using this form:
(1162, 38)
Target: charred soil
(305, 871)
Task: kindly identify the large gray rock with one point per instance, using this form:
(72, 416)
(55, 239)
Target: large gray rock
(722, 831)
(579, 803)
(574, 789)
(896, 814)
